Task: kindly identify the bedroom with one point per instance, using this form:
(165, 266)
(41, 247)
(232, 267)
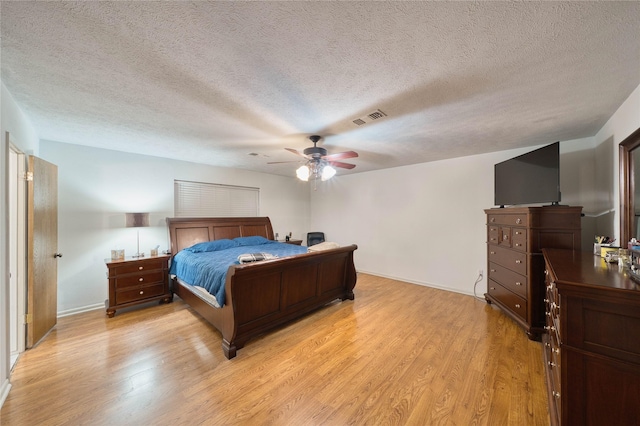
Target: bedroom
(96, 186)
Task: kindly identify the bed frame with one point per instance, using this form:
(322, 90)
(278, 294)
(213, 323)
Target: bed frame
(263, 295)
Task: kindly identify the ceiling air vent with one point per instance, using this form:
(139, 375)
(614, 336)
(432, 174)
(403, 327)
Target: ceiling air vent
(375, 115)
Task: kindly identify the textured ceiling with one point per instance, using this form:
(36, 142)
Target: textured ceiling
(212, 82)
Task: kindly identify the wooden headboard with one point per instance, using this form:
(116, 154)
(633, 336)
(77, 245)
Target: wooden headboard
(185, 232)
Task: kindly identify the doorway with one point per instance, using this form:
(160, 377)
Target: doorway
(17, 254)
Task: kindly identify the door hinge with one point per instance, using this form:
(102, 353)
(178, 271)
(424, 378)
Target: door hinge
(28, 176)
(28, 318)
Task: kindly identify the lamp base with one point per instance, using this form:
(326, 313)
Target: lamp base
(138, 255)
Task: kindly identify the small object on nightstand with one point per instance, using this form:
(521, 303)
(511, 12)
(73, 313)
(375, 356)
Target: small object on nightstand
(294, 242)
(137, 280)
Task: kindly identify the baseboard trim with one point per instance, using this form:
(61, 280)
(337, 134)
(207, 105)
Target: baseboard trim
(80, 310)
(4, 391)
(424, 284)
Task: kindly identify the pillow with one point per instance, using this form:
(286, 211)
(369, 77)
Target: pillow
(216, 245)
(255, 240)
(327, 245)
(255, 257)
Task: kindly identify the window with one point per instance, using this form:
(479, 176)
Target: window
(199, 199)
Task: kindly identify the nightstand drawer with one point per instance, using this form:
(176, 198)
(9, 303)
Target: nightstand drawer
(139, 293)
(140, 279)
(139, 266)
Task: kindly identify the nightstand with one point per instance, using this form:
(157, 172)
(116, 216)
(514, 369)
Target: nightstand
(137, 280)
(295, 242)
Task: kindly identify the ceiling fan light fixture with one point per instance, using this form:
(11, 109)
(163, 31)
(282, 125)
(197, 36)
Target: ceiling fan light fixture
(328, 172)
(303, 173)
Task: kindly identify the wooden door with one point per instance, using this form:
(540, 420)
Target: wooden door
(42, 249)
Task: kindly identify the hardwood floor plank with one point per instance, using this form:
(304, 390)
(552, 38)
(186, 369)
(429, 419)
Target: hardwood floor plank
(399, 354)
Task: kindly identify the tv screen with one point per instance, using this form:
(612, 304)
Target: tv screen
(530, 178)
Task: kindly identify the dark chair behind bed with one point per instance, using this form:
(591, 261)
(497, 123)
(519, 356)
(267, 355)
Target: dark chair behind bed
(315, 238)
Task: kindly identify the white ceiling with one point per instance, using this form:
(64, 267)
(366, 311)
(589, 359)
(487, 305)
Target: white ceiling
(212, 82)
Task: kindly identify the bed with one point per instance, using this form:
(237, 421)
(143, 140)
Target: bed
(260, 296)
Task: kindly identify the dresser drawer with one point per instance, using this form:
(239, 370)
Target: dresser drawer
(519, 239)
(140, 279)
(140, 266)
(511, 259)
(493, 234)
(511, 280)
(139, 293)
(516, 219)
(516, 304)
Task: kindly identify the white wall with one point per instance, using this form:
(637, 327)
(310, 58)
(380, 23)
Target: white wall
(425, 223)
(621, 124)
(96, 187)
(24, 137)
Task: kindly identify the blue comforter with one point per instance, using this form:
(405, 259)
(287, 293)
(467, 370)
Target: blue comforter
(206, 264)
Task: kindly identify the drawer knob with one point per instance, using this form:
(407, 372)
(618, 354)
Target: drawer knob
(518, 261)
(556, 350)
(518, 283)
(492, 252)
(141, 292)
(492, 270)
(492, 288)
(493, 219)
(517, 305)
(518, 244)
(518, 221)
(140, 268)
(546, 327)
(552, 364)
(545, 300)
(141, 279)
(555, 394)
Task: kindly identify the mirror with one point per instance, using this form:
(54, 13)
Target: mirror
(629, 159)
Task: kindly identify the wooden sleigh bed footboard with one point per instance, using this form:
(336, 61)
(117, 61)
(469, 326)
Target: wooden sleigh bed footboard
(263, 295)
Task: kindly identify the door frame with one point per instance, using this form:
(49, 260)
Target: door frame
(17, 251)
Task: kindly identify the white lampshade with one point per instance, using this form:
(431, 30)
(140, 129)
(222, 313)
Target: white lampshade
(303, 173)
(328, 172)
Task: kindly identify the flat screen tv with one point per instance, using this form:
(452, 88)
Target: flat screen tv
(530, 178)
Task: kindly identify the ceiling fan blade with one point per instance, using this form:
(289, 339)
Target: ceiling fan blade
(295, 151)
(342, 165)
(341, 155)
(282, 162)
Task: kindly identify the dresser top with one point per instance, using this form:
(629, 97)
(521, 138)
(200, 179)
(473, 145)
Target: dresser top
(581, 268)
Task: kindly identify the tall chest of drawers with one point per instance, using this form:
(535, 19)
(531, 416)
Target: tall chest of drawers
(592, 348)
(515, 266)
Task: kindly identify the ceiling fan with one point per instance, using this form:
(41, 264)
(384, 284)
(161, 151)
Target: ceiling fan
(318, 163)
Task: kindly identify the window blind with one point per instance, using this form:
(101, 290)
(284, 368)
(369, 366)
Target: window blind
(200, 199)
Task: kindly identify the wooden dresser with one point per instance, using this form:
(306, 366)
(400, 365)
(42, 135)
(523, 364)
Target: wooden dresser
(592, 350)
(137, 280)
(515, 266)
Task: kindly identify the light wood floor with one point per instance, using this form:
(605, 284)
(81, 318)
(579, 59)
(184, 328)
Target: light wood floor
(400, 354)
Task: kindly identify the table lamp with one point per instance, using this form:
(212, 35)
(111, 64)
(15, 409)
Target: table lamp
(137, 220)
